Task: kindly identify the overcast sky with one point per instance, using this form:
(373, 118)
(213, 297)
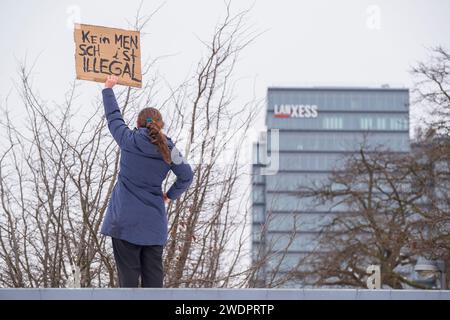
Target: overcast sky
(310, 42)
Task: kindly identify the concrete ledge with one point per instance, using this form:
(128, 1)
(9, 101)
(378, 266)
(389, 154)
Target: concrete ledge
(218, 294)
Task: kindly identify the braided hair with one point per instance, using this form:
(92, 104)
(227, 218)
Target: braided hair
(151, 119)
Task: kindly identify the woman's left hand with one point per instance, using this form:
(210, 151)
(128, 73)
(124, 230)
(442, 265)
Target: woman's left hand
(111, 81)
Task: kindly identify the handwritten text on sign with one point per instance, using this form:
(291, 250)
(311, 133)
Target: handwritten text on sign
(102, 51)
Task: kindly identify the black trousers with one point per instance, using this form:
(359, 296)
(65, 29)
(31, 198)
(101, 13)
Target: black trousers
(134, 261)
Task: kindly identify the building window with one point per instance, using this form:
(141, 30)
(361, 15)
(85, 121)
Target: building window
(355, 101)
(399, 124)
(258, 194)
(333, 123)
(366, 123)
(256, 232)
(381, 123)
(258, 213)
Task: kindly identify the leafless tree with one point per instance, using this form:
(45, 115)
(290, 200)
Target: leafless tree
(378, 225)
(432, 145)
(397, 204)
(432, 90)
(56, 178)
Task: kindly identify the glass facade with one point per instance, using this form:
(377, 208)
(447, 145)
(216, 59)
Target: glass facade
(316, 129)
(357, 121)
(344, 141)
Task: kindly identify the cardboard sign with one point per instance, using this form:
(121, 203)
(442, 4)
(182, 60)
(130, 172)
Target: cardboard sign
(101, 51)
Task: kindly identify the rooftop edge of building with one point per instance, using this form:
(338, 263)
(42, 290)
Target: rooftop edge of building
(337, 88)
(218, 294)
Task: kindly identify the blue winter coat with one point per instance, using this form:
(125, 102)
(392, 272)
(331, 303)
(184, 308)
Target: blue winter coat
(136, 211)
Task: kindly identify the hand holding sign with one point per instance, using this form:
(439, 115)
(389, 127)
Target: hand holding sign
(111, 81)
(101, 52)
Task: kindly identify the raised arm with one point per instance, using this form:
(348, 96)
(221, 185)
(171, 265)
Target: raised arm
(116, 125)
(184, 175)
